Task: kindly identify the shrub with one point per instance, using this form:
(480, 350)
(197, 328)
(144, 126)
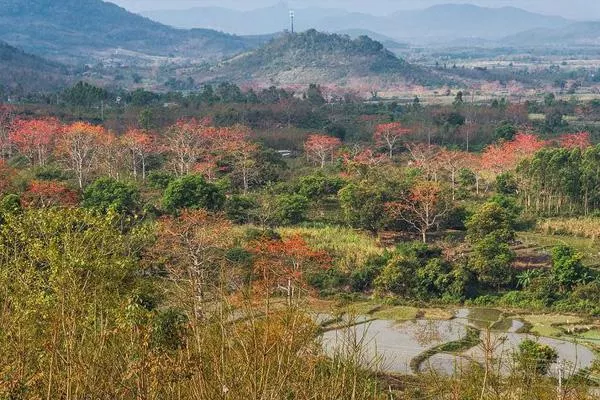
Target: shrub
(108, 193)
(239, 209)
(319, 185)
(535, 357)
(291, 208)
(160, 179)
(567, 268)
(192, 191)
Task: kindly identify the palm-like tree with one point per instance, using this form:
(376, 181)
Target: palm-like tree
(525, 278)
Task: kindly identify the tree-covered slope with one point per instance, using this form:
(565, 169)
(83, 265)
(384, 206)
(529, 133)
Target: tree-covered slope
(77, 29)
(313, 56)
(21, 72)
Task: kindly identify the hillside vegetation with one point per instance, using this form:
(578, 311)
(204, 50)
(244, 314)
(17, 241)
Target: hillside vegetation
(174, 253)
(22, 72)
(314, 56)
(77, 29)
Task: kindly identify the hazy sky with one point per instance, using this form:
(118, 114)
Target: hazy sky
(577, 9)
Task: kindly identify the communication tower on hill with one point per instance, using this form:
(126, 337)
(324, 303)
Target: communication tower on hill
(292, 16)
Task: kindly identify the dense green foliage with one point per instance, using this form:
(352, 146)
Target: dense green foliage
(192, 191)
(491, 231)
(109, 194)
(561, 181)
(418, 271)
(536, 357)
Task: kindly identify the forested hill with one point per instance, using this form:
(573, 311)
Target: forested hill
(75, 29)
(21, 72)
(313, 56)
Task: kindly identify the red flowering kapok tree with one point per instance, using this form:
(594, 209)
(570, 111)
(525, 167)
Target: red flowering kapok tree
(390, 135)
(320, 148)
(361, 161)
(579, 140)
(207, 167)
(281, 264)
(139, 145)
(423, 208)
(197, 146)
(185, 141)
(36, 138)
(79, 146)
(49, 194)
(192, 248)
(232, 145)
(452, 161)
(424, 157)
(505, 156)
(112, 157)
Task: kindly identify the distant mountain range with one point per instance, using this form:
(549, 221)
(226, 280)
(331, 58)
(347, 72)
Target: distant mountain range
(443, 22)
(96, 32)
(76, 30)
(575, 34)
(117, 42)
(21, 72)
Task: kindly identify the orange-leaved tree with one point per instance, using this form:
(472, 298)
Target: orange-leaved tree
(390, 134)
(111, 157)
(35, 138)
(280, 265)
(139, 144)
(186, 141)
(192, 248)
(505, 156)
(580, 140)
(361, 161)
(452, 161)
(424, 156)
(79, 145)
(423, 207)
(232, 145)
(49, 194)
(321, 147)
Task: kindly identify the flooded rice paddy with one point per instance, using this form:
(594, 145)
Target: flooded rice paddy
(394, 346)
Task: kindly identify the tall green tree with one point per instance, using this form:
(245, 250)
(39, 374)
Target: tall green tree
(567, 268)
(363, 205)
(490, 231)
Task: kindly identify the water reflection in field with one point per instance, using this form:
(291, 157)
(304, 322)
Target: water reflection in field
(395, 344)
(392, 345)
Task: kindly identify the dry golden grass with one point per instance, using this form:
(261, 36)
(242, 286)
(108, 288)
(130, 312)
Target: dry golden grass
(583, 227)
(349, 248)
